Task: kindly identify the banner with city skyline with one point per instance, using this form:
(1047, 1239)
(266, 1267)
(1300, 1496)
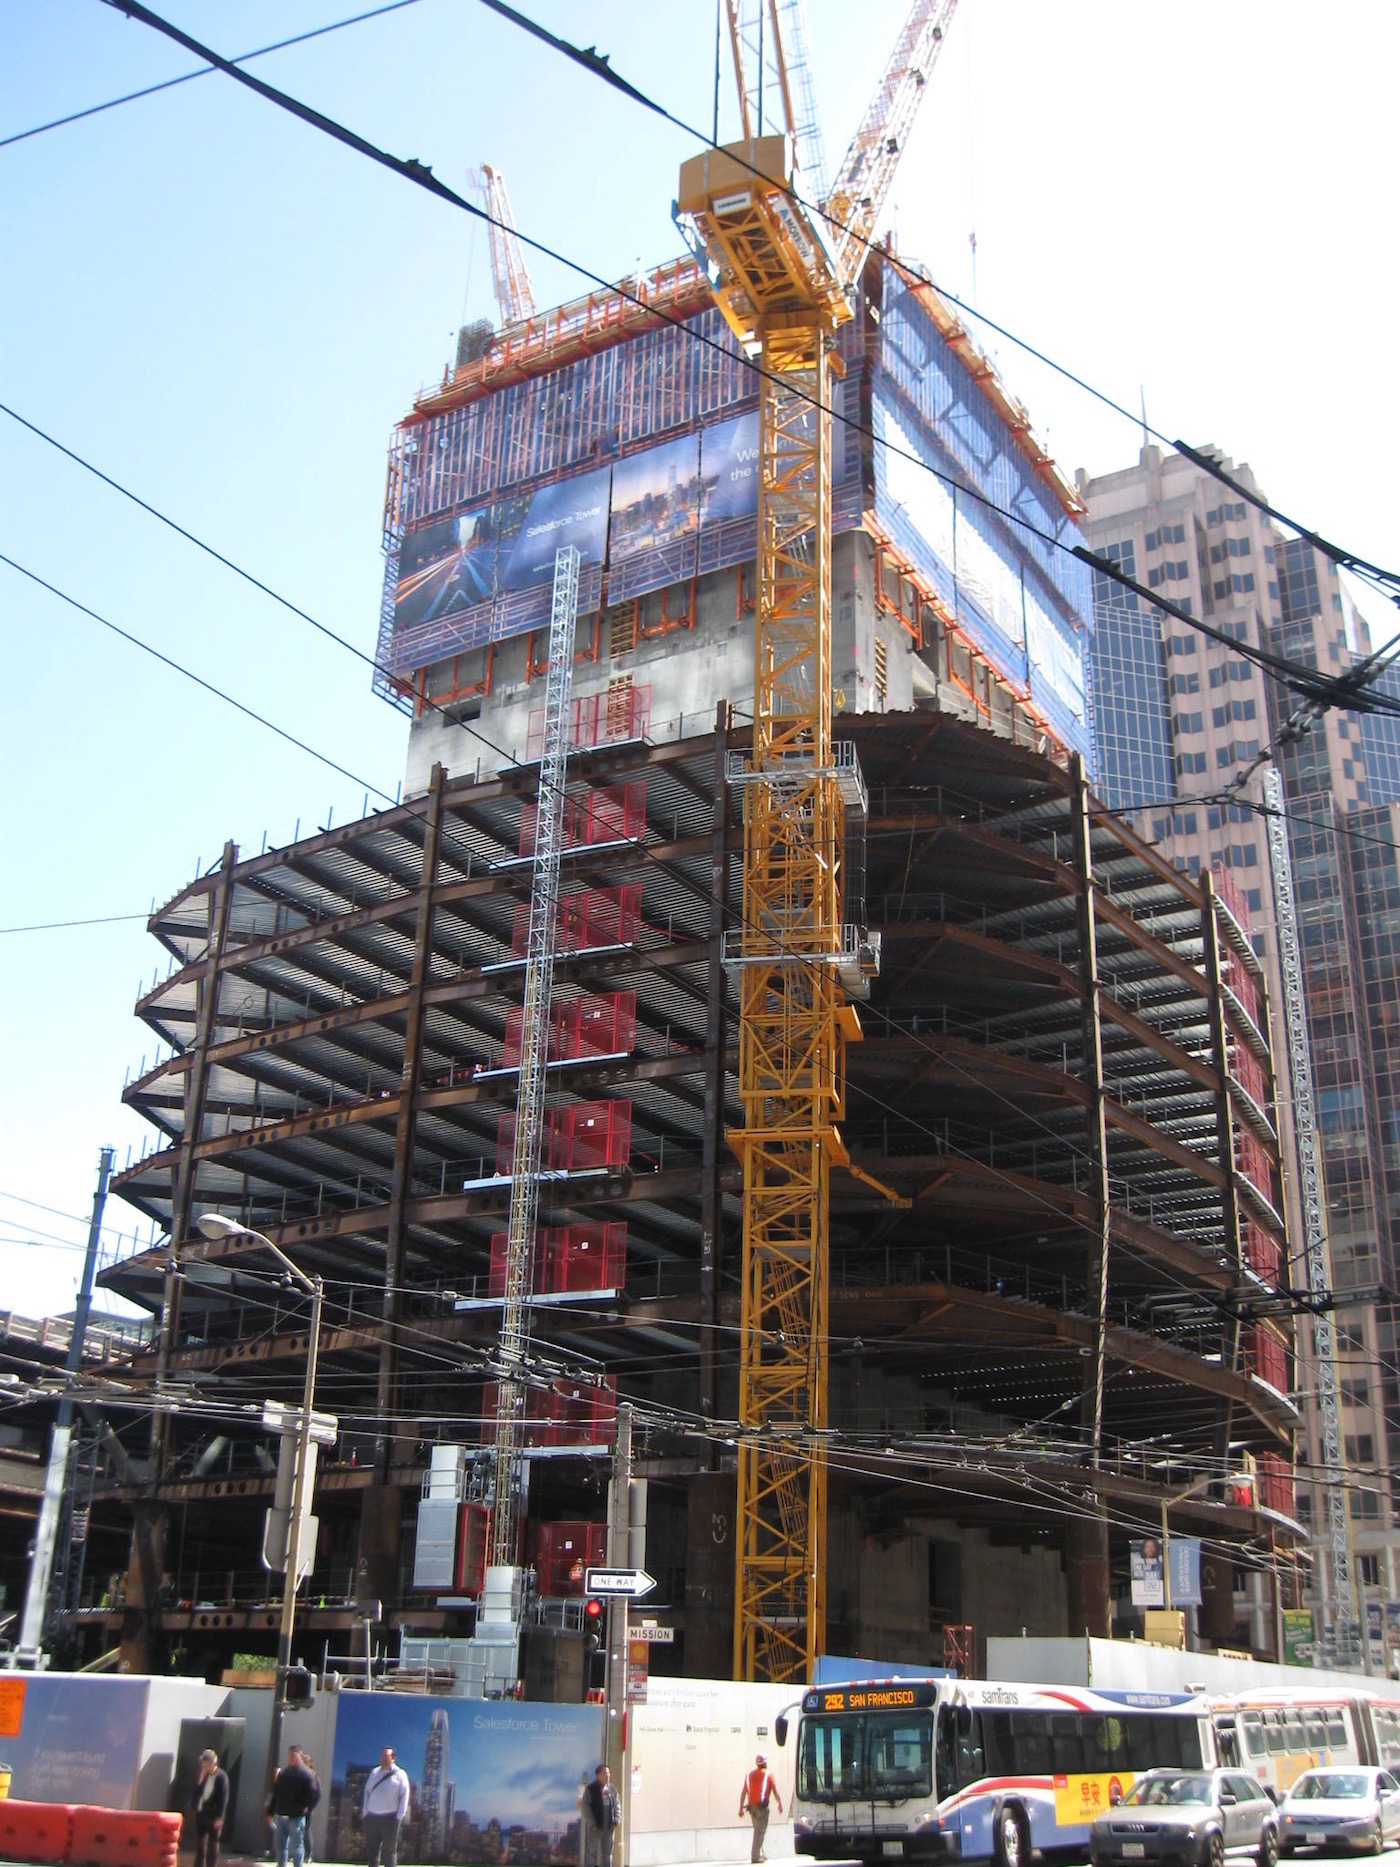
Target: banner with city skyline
(493, 1780)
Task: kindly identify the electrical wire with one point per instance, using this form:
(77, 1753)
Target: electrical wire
(100, 920)
(1298, 675)
(598, 66)
(209, 687)
(185, 77)
(355, 142)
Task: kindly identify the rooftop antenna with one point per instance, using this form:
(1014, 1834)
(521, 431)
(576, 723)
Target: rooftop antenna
(1142, 399)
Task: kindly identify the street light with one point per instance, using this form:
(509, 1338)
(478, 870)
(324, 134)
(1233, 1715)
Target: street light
(214, 1225)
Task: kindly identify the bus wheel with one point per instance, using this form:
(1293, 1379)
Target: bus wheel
(1013, 1842)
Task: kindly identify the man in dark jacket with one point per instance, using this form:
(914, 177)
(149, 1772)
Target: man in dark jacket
(604, 1816)
(295, 1793)
(208, 1806)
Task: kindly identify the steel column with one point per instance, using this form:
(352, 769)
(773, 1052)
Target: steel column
(1101, 1193)
(401, 1179)
(711, 1194)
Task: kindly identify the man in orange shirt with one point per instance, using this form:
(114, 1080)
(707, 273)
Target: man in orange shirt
(759, 1789)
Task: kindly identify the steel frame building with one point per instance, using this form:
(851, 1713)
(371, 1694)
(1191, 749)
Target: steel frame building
(1057, 1269)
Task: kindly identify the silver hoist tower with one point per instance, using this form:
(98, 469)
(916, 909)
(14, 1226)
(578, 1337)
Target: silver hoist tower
(1317, 1256)
(497, 1634)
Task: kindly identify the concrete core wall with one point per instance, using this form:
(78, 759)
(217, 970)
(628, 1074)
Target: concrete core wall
(687, 670)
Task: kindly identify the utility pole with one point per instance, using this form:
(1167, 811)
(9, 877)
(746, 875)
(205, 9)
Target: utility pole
(619, 1607)
(34, 1621)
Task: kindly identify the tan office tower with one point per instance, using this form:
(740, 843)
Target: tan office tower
(1181, 722)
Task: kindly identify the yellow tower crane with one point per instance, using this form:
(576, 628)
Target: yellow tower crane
(783, 285)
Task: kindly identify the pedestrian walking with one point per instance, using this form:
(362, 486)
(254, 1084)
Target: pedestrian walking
(384, 1810)
(604, 1816)
(310, 1763)
(295, 1793)
(208, 1808)
(758, 1791)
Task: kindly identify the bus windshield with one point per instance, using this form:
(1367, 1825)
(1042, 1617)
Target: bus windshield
(878, 1757)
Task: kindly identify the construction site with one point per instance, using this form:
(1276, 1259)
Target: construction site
(749, 1061)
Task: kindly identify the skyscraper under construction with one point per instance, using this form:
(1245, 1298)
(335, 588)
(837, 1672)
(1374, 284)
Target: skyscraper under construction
(1054, 1277)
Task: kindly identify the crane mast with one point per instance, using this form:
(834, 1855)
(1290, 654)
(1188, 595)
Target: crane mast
(515, 296)
(773, 72)
(784, 291)
(1317, 1257)
(779, 290)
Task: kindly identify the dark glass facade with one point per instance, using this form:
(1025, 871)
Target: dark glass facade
(1131, 700)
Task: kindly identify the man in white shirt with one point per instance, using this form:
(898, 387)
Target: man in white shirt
(384, 1810)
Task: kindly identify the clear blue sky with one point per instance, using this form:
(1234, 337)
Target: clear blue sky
(227, 312)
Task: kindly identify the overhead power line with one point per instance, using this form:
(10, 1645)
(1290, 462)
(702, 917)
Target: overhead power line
(1303, 678)
(597, 65)
(185, 77)
(219, 693)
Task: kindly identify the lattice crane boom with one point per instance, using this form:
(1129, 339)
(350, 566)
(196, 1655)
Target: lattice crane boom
(863, 181)
(772, 69)
(515, 297)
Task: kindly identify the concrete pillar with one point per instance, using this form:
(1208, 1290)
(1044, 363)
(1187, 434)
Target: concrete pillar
(709, 1575)
(1217, 1610)
(1090, 1609)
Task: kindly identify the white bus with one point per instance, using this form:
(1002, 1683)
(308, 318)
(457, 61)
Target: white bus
(957, 1769)
(1275, 1735)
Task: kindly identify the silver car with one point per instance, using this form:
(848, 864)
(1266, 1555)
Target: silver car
(1188, 1818)
(1340, 1808)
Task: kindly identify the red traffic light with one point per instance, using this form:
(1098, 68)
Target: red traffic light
(592, 1611)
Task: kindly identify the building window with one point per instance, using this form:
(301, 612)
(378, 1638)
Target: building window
(1369, 1567)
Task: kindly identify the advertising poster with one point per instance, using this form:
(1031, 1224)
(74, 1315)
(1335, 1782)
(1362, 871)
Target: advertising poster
(1080, 1799)
(570, 512)
(1298, 1646)
(457, 564)
(1145, 1573)
(1186, 1571)
(656, 499)
(729, 469)
(447, 566)
(79, 1740)
(492, 1780)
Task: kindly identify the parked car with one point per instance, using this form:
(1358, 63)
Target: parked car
(1188, 1818)
(1340, 1808)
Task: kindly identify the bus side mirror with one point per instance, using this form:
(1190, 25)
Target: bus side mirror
(780, 1728)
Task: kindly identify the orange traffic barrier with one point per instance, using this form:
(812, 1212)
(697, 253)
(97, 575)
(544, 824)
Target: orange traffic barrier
(124, 1838)
(35, 1831)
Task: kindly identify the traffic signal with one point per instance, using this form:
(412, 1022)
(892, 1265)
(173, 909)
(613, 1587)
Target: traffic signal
(593, 1619)
(298, 1687)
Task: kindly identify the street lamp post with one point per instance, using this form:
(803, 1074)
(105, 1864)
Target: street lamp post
(215, 1225)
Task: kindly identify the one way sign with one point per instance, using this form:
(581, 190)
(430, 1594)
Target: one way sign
(631, 1582)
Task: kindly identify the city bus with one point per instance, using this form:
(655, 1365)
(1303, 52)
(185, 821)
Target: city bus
(1276, 1735)
(930, 1769)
